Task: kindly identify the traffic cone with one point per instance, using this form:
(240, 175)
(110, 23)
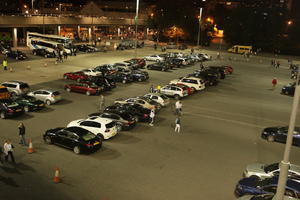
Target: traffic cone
(56, 176)
(28, 67)
(30, 148)
(11, 69)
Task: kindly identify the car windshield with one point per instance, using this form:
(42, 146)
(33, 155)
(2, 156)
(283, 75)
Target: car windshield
(110, 125)
(272, 167)
(88, 136)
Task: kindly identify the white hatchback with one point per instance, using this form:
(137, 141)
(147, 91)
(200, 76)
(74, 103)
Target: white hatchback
(91, 72)
(162, 99)
(102, 127)
(155, 58)
(47, 96)
(192, 82)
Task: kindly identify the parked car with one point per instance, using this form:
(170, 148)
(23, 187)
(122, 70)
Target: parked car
(43, 53)
(78, 139)
(138, 75)
(193, 82)
(4, 93)
(16, 87)
(171, 45)
(9, 108)
(87, 88)
(103, 128)
(155, 58)
(219, 70)
(264, 197)
(161, 66)
(29, 103)
(106, 69)
(139, 101)
(85, 48)
(255, 186)
(289, 89)
(186, 88)
(107, 82)
(162, 99)
(121, 66)
(204, 56)
(209, 79)
(125, 121)
(263, 171)
(48, 96)
(279, 134)
(123, 77)
(91, 72)
(77, 76)
(139, 112)
(18, 55)
(140, 62)
(174, 91)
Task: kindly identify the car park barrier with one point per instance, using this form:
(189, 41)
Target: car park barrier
(56, 178)
(30, 147)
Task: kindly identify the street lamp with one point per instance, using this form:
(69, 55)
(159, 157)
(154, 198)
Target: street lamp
(284, 165)
(199, 30)
(136, 26)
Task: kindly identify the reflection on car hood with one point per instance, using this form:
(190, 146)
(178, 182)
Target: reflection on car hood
(256, 168)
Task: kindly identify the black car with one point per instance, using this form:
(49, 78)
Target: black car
(43, 52)
(289, 89)
(9, 108)
(210, 79)
(106, 69)
(29, 103)
(175, 61)
(78, 139)
(139, 112)
(126, 121)
(106, 82)
(18, 55)
(138, 75)
(218, 69)
(122, 77)
(279, 134)
(158, 66)
(85, 48)
(133, 64)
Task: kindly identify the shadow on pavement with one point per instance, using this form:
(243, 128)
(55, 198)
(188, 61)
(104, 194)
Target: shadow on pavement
(106, 154)
(8, 181)
(63, 102)
(45, 110)
(124, 139)
(23, 117)
(10, 170)
(24, 167)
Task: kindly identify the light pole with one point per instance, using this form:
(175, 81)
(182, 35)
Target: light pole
(136, 26)
(284, 165)
(199, 30)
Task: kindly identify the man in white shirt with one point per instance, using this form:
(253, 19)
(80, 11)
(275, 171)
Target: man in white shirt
(8, 151)
(152, 115)
(178, 106)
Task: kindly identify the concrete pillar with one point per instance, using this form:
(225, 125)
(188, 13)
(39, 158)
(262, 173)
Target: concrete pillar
(15, 37)
(78, 32)
(90, 34)
(58, 30)
(119, 32)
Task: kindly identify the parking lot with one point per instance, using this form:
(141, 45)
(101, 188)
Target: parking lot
(221, 129)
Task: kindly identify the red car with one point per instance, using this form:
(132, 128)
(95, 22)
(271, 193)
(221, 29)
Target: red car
(84, 87)
(188, 89)
(140, 61)
(78, 76)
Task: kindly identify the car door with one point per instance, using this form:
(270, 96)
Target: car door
(281, 134)
(38, 94)
(60, 137)
(71, 140)
(92, 126)
(296, 137)
(45, 95)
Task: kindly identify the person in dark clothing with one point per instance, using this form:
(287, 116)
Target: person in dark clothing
(65, 55)
(22, 130)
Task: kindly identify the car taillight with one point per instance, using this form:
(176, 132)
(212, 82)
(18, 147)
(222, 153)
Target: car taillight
(146, 115)
(10, 110)
(89, 145)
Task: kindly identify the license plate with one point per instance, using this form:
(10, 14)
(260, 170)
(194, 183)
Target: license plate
(96, 143)
(18, 110)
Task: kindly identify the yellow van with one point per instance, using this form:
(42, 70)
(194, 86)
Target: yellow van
(4, 94)
(240, 49)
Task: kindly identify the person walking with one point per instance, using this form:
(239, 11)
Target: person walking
(152, 89)
(177, 125)
(277, 64)
(4, 63)
(158, 87)
(65, 55)
(152, 115)
(8, 151)
(274, 83)
(178, 107)
(22, 130)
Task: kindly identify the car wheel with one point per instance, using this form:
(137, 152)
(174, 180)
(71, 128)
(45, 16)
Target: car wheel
(26, 108)
(88, 93)
(34, 53)
(286, 92)
(78, 80)
(48, 102)
(48, 140)
(2, 115)
(77, 150)
(68, 89)
(17, 58)
(270, 138)
(66, 77)
(45, 56)
(162, 69)
(139, 79)
(211, 83)
(124, 81)
(176, 96)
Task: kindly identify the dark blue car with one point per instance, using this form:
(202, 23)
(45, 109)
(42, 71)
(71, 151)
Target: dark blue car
(288, 89)
(255, 186)
(279, 134)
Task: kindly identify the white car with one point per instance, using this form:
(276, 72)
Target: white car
(174, 91)
(47, 96)
(162, 99)
(192, 82)
(204, 56)
(120, 66)
(91, 72)
(102, 127)
(266, 171)
(139, 101)
(16, 87)
(155, 58)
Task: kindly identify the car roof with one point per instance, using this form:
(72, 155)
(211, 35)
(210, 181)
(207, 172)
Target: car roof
(99, 119)
(19, 82)
(47, 90)
(78, 130)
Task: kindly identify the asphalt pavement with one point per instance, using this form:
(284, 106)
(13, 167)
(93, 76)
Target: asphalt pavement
(221, 129)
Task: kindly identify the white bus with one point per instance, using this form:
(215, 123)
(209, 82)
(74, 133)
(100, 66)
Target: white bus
(64, 41)
(36, 43)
